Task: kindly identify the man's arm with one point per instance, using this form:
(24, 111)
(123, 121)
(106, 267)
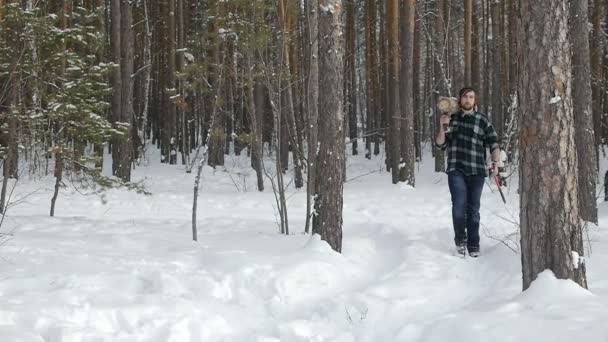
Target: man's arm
(440, 139)
(492, 142)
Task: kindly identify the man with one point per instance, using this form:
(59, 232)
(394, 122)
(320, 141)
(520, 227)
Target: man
(468, 135)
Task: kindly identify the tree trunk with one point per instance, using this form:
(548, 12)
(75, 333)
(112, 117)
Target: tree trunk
(381, 121)
(371, 75)
(125, 154)
(256, 98)
(394, 99)
(218, 130)
(147, 61)
(171, 91)
(513, 49)
(418, 103)
(312, 98)
(59, 162)
(117, 87)
(487, 47)
(9, 169)
(183, 105)
(596, 73)
(551, 230)
(351, 84)
(468, 39)
(504, 66)
(497, 115)
(331, 157)
(408, 152)
(440, 75)
(476, 49)
(217, 124)
(583, 119)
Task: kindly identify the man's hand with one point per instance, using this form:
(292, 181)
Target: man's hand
(444, 120)
(493, 169)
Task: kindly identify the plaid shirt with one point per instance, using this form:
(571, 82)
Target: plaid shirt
(467, 141)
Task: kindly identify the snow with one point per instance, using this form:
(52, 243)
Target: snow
(576, 259)
(127, 270)
(555, 99)
(327, 9)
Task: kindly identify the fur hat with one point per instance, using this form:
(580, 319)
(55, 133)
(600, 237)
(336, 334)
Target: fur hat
(448, 105)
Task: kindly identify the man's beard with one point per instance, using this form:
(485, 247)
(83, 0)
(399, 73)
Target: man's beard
(467, 108)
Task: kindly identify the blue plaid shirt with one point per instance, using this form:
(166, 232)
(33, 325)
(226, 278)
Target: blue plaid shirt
(466, 143)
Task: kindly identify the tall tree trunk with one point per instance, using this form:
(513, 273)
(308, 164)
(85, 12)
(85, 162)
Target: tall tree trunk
(408, 151)
(117, 87)
(183, 105)
(513, 49)
(418, 103)
(596, 72)
(147, 64)
(351, 84)
(9, 169)
(125, 146)
(487, 47)
(171, 91)
(468, 40)
(497, 115)
(312, 98)
(440, 72)
(256, 98)
(59, 165)
(394, 109)
(381, 121)
(583, 119)
(371, 75)
(217, 125)
(331, 156)
(476, 49)
(605, 76)
(505, 66)
(551, 230)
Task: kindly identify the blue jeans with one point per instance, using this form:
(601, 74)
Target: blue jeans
(466, 196)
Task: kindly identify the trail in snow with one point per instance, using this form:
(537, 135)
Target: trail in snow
(127, 270)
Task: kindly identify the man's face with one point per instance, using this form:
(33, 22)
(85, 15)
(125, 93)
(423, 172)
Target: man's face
(467, 101)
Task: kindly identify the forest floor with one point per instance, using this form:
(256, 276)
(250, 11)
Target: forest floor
(123, 267)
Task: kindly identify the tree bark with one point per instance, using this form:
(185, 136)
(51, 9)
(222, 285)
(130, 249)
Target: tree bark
(468, 39)
(331, 156)
(59, 162)
(476, 49)
(551, 230)
(596, 73)
(440, 75)
(497, 115)
(371, 75)
(117, 87)
(217, 124)
(256, 97)
(312, 98)
(583, 119)
(418, 103)
(125, 146)
(408, 151)
(393, 93)
(381, 122)
(351, 84)
(170, 92)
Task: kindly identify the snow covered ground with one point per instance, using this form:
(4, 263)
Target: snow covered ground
(127, 270)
